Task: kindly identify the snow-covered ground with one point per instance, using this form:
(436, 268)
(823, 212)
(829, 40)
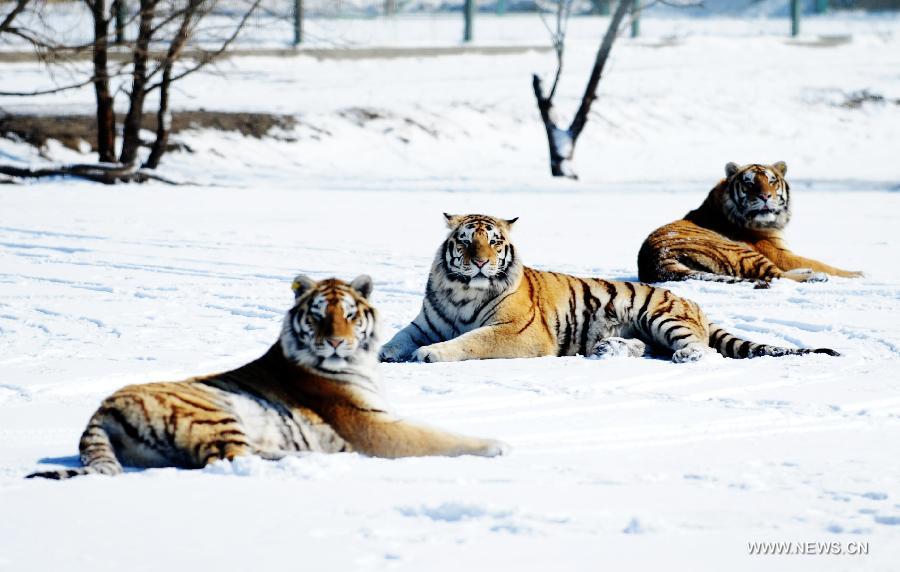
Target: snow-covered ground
(623, 464)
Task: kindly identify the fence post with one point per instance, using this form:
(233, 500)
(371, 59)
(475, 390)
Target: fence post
(121, 16)
(635, 18)
(795, 17)
(821, 6)
(298, 22)
(600, 7)
(469, 15)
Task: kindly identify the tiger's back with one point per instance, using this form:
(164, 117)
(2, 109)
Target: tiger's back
(576, 313)
(685, 249)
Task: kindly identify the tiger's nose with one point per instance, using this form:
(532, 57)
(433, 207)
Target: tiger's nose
(480, 262)
(334, 342)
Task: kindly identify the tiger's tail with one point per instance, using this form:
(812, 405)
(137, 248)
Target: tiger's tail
(97, 455)
(732, 346)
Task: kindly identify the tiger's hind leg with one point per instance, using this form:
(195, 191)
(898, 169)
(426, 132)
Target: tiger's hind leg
(220, 438)
(676, 271)
(692, 352)
(618, 347)
(172, 425)
(671, 323)
(687, 340)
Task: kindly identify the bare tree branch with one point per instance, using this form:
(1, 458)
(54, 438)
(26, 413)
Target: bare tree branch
(48, 90)
(590, 90)
(208, 57)
(18, 8)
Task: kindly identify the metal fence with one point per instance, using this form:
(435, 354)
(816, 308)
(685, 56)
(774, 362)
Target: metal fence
(365, 23)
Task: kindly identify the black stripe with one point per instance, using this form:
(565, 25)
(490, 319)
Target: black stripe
(729, 347)
(213, 421)
(679, 338)
(533, 314)
(493, 311)
(127, 427)
(416, 326)
(202, 407)
(432, 300)
(660, 325)
(717, 337)
(590, 304)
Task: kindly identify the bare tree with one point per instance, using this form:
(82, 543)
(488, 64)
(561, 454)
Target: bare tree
(171, 44)
(562, 141)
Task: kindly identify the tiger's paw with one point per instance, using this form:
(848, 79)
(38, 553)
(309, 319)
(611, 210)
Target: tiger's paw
(430, 354)
(494, 448)
(806, 275)
(618, 347)
(692, 353)
(393, 354)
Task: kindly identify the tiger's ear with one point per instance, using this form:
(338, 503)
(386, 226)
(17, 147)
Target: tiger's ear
(301, 285)
(731, 169)
(452, 220)
(780, 167)
(363, 285)
(510, 222)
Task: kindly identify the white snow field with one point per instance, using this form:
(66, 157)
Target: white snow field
(618, 464)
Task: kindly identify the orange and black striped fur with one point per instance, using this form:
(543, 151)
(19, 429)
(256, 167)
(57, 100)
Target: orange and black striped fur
(481, 302)
(735, 235)
(316, 389)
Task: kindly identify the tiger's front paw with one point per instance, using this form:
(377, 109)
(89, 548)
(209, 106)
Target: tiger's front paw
(618, 347)
(806, 275)
(393, 354)
(431, 354)
(494, 448)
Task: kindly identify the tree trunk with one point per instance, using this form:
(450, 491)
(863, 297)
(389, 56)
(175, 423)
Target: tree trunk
(562, 141)
(559, 166)
(106, 118)
(131, 129)
(163, 121)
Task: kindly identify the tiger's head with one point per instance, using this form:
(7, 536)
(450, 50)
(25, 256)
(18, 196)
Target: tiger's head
(478, 253)
(332, 327)
(756, 197)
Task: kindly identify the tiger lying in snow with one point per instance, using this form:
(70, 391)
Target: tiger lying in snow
(316, 389)
(734, 236)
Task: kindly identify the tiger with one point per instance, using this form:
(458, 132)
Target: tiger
(735, 235)
(481, 302)
(315, 390)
